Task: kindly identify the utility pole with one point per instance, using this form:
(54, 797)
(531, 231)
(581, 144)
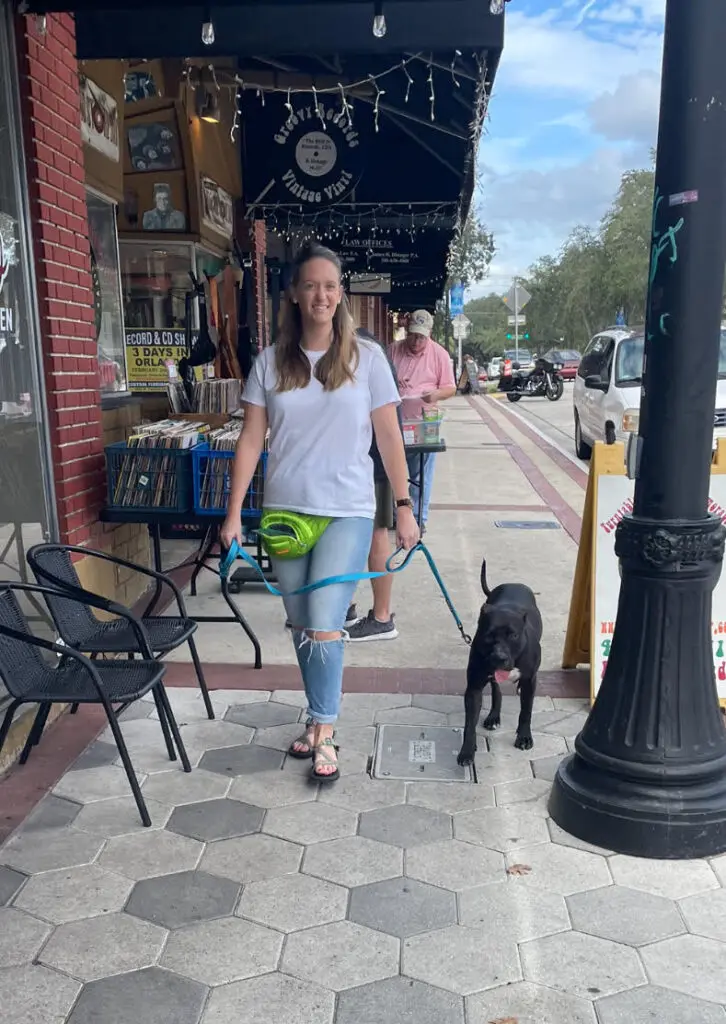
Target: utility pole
(516, 320)
(648, 776)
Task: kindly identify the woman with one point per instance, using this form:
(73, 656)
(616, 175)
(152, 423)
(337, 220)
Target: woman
(322, 392)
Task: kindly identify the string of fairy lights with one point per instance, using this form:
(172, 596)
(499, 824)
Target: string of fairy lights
(289, 222)
(376, 220)
(367, 88)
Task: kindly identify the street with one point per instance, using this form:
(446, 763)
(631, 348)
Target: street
(554, 420)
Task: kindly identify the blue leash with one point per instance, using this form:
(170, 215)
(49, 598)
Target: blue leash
(235, 552)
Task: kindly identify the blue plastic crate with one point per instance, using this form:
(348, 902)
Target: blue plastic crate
(212, 476)
(140, 478)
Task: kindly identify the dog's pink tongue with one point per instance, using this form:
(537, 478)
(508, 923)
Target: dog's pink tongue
(502, 675)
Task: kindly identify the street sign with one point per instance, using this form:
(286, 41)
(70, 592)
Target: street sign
(517, 297)
(516, 321)
(461, 325)
(456, 300)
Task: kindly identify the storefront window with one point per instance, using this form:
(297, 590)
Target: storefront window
(208, 264)
(156, 294)
(155, 281)
(107, 292)
(26, 513)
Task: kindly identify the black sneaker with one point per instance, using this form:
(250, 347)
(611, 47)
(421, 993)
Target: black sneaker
(370, 628)
(351, 617)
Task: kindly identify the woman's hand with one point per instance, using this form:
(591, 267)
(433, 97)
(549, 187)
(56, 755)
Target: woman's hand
(407, 529)
(231, 531)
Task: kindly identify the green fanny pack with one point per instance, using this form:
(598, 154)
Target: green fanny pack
(290, 534)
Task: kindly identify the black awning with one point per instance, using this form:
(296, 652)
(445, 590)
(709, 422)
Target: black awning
(172, 28)
(385, 177)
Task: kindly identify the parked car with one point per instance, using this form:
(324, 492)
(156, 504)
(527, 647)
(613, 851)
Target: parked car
(483, 375)
(568, 359)
(495, 367)
(606, 395)
(522, 356)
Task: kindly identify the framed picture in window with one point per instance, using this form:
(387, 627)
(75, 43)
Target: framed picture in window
(153, 146)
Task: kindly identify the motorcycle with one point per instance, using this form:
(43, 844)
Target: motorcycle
(545, 381)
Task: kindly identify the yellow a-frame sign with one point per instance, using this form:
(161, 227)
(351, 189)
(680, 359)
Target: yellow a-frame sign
(580, 638)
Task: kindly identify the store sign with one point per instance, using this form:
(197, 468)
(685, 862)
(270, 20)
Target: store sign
(387, 252)
(310, 155)
(217, 208)
(615, 500)
(149, 355)
(99, 120)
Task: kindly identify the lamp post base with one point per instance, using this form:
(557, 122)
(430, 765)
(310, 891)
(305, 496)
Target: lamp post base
(662, 822)
(648, 776)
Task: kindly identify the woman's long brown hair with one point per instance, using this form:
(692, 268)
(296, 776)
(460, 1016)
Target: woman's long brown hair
(339, 364)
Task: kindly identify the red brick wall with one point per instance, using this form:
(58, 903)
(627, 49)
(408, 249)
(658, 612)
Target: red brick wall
(259, 252)
(54, 154)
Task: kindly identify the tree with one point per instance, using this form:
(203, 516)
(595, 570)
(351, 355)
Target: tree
(625, 234)
(596, 273)
(471, 253)
(488, 317)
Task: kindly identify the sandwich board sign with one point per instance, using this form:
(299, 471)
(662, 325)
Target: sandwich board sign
(596, 585)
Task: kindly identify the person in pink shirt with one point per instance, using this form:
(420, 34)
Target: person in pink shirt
(425, 378)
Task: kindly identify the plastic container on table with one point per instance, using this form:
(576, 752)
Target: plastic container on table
(141, 478)
(425, 429)
(212, 471)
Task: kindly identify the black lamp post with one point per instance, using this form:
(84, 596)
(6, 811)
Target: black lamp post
(648, 776)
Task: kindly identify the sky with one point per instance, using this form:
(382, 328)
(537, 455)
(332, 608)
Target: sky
(574, 104)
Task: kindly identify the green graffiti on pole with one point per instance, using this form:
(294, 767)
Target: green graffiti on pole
(662, 240)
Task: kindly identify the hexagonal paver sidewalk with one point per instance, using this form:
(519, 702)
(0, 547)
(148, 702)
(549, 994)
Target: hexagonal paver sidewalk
(259, 896)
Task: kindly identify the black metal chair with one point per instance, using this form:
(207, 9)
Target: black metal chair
(76, 679)
(78, 627)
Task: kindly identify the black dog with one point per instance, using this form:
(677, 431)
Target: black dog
(505, 648)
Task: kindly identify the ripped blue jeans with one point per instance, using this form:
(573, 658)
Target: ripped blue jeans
(342, 550)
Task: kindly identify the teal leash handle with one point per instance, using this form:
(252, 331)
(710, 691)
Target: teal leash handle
(236, 552)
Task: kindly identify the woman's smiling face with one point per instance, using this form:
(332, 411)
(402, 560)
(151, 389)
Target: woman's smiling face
(318, 291)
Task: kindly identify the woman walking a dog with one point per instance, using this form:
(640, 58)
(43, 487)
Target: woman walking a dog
(322, 392)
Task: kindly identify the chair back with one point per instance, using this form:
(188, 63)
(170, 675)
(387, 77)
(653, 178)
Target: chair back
(53, 567)
(21, 664)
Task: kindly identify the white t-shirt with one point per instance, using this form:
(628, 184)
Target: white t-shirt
(319, 460)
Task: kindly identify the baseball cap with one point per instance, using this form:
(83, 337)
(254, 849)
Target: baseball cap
(421, 322)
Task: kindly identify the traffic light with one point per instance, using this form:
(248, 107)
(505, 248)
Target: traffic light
(526, 335)
(509, 335)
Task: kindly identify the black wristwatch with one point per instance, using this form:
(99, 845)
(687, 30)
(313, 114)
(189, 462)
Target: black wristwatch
(404, 503)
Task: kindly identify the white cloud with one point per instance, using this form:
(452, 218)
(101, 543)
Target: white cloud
(599, 64)
(531, 213)
(558, 57)
(630, 111)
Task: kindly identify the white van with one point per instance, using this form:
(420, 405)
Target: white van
(606, 395)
